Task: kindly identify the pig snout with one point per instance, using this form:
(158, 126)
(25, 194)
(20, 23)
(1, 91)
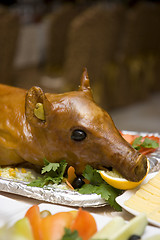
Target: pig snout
(125, 159)
(141, 168)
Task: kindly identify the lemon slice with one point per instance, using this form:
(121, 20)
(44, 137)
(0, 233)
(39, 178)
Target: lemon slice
(116, 180)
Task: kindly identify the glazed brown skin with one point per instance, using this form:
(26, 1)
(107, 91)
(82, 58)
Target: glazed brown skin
(24, 137)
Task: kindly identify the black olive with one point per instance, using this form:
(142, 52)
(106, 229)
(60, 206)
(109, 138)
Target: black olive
(78, 182)
(78, 135)
(134, 237)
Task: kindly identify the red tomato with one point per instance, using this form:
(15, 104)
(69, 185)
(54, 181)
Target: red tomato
(146, 151)
(149, 150)
(129, 138)
(85, 224)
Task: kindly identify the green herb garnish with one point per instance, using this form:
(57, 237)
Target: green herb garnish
(53, 173)
(69, 235)
(146, 143)
(99, 186)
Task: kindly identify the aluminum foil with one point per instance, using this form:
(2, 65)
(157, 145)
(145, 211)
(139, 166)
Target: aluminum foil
(70, 197)
(52, 195)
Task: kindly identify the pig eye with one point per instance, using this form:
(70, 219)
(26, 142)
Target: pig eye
(78, 135)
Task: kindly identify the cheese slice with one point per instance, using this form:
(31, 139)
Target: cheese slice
(151, 189)
(148, 196)
(141, 205)
(155, 215)
(147, 199)
(155, 182)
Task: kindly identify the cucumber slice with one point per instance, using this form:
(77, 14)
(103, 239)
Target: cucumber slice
(110, 228)
(21, 230)
(135, 226)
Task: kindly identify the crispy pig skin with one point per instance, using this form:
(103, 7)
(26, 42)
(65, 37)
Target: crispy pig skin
(24, 137)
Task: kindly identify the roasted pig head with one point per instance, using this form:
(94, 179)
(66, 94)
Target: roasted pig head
(70, 126)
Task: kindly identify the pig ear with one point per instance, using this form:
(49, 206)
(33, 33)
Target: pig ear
(85, 83)
(37, 107)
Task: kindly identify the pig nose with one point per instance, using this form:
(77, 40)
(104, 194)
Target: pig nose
(141, 168)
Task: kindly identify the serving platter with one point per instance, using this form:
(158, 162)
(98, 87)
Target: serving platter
(54, 194)
(101, 220)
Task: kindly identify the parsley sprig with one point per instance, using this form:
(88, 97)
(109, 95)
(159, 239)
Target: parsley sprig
(99, 186)
(53, 173)
(139, 143)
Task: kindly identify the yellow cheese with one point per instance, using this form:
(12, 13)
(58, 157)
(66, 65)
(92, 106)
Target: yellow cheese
(148, 196)
(140, 205)
(147, 199)
(151, 189)
(155, 215)
(155, 182)
(157, 175)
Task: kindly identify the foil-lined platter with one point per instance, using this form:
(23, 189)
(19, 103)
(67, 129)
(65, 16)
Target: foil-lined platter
(59, 194)
(52, 194)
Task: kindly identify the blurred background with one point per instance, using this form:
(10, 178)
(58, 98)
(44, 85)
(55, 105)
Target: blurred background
(48, 42)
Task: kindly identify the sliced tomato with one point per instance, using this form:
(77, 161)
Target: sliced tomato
(129, 138)
(146, 151)
(53, 226)
(85, 224)
(33, 214)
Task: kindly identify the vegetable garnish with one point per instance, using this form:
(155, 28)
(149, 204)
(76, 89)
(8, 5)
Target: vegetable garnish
(54, 173)
(69, 235)
(72, 225)
(144, 145)
(99, 186)
(141, 142)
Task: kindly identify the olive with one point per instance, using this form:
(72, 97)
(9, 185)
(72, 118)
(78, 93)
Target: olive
(78, 182)
(78, 135)
(45, 213)
(134, 237)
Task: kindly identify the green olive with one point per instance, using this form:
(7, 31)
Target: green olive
(39, 111)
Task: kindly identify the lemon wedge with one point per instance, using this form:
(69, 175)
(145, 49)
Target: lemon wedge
(116, 180)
